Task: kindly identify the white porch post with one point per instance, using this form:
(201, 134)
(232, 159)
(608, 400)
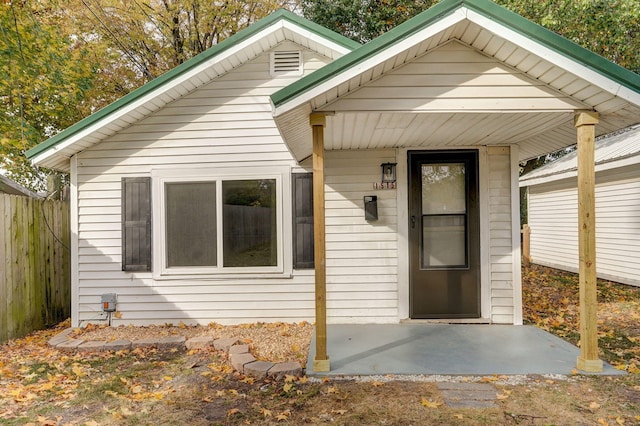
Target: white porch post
(588, 360)
(321, 360)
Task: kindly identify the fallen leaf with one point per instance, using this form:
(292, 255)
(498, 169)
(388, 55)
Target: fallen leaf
(332, 389)
(430, 404)
(303, 379)
(288, 378)
(78, 370)
(594, 405)
(232, 412)
(287, 387)
(248, 380)
(340, 412)
(620, 420)
(458, 416)
(266, 413)
(377, 384)
(603, 422)
(283, 416)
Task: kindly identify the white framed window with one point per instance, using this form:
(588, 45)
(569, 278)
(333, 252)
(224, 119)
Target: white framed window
(220, 223)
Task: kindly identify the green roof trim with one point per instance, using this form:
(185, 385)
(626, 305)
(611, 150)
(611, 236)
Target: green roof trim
(485, 8)
(187, 66)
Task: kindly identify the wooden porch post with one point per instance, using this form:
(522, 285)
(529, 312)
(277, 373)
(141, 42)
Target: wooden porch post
(321, 360)
(588, 360)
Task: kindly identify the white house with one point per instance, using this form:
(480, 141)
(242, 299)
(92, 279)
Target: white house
(553, 209)
(191, 198)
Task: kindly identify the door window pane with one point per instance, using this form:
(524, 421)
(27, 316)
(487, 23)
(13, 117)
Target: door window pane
(249, 223)
(443, 240)
(443, 188)
(191, 224)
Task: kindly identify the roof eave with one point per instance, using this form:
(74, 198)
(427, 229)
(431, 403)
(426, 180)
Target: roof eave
(622, 82)
(52, 146)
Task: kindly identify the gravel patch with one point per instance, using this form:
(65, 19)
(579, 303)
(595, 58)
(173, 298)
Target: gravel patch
(274, 342)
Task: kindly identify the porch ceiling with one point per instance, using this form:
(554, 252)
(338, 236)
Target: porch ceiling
(454, 98)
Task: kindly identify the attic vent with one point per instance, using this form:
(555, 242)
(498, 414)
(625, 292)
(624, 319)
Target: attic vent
(286, 63)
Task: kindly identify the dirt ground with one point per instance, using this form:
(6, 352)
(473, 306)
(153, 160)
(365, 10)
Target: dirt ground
(44, 386)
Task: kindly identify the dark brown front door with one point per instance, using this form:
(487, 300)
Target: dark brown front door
(444, 234)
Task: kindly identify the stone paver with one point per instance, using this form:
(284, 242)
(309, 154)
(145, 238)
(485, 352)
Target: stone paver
(199, 342)
(238, 349)
(238, 361)
(257, 369)
(282, 369)
(118, 345)
(61, 337)
(224, 344)
(468, 395)
(92, 346)
(145, 343)
(70, 344)
(171, 342)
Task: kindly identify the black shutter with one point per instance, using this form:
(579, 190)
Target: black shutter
(136, 224)
(302, 220)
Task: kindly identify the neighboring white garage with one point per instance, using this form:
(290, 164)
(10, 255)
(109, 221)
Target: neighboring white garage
(553, 209)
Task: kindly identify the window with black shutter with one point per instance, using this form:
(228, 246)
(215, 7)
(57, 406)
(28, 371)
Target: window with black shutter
(302, 220)
(136, 224)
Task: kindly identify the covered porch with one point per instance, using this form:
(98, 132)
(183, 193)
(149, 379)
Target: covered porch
(464, 76)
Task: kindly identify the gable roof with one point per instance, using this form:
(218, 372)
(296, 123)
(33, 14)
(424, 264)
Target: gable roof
(434, 14)
(197, 71)
(611, 151)
(544, 57)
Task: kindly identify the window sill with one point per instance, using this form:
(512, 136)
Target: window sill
(222, 276)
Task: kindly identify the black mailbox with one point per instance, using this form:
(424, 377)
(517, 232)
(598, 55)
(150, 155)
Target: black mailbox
(371, 207)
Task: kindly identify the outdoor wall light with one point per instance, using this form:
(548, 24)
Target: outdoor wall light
(388, 172)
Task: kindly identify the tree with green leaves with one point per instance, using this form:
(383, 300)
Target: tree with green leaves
(44, 79)
(362, 20)
(61, 60)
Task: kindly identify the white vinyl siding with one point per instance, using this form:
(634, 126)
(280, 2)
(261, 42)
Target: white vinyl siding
(454, 77)
(500, 236)
(225, 124)
(553, 218)
(362, 257)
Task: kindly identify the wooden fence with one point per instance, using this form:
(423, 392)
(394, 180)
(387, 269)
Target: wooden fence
(35, 271)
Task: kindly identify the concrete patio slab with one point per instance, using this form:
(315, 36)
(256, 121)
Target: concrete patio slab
(446, 349)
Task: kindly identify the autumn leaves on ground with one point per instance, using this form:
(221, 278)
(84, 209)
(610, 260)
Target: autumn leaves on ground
(43, 386)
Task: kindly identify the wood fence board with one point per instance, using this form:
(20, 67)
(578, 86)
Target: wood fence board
(4, 238)
(35, 284)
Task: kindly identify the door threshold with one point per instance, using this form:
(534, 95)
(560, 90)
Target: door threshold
(446, 321)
